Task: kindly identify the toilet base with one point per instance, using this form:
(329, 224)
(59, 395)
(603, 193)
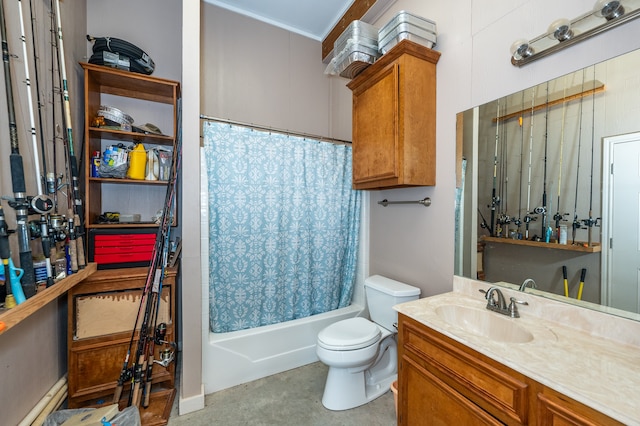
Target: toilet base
(347, 388)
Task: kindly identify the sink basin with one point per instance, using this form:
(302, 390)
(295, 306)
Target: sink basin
(484, 323)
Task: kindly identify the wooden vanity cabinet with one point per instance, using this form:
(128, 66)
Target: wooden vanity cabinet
(441, 381)
(394, 119)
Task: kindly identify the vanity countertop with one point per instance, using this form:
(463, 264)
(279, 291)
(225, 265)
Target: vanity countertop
(589, 356)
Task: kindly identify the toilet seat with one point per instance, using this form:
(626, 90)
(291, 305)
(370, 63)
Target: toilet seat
(349, 334)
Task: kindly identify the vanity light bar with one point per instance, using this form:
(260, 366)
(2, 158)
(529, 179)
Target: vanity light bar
(563, 33)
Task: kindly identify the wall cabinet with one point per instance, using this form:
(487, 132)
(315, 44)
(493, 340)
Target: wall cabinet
(394, 119)
(146, 99)
(444, 382)
(102, 313)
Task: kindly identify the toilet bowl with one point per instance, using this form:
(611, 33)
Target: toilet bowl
(362, 354)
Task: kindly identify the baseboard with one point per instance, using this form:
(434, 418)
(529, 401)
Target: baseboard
(192, 403)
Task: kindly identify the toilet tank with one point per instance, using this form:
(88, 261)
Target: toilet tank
(382, 294)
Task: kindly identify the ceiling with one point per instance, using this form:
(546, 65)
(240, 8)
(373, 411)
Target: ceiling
(310, 18)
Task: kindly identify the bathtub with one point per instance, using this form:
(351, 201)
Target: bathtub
(230, 359)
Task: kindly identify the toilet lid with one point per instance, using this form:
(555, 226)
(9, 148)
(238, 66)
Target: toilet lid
(349, 334)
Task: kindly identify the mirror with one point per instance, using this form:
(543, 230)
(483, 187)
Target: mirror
(536, 196)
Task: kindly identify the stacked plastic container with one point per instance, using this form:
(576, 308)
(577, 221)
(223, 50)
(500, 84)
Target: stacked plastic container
(355, 49)
(405, 25)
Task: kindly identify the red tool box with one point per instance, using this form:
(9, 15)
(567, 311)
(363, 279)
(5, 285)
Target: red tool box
(121, 248)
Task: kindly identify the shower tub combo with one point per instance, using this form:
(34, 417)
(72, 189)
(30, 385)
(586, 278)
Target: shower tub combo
(237, 357)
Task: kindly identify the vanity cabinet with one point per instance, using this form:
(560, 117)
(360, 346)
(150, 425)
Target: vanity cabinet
(394, 119)
(441, 381)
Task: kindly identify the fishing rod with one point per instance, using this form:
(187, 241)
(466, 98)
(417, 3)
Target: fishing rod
(518, 221)
(42, 229)
(557, 217)
(503, 217)
(591, 222)
(20, 202)
(528, 218)
(139, 371)
(542, 211)
(576, 222)
(495, 200)
(76, 246)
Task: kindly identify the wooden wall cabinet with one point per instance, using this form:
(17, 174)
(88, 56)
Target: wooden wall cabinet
(444, 382)
(102, 312)
(394, 119)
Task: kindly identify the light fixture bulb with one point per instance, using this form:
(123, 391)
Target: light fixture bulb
(609, 9)
(521, 49)
(560, 30)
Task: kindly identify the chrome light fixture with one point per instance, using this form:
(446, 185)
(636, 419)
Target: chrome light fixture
(560, 30)
(609, 9)
(563, 33)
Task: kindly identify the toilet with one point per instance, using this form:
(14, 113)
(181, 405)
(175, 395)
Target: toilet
(362, 355)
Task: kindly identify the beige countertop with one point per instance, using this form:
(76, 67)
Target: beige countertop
(590, 356)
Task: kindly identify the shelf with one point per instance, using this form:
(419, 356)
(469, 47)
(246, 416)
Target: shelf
(147, 138)
(129, 181)
(12, 317)
(122, 225)
(578, 247)
(133, 85)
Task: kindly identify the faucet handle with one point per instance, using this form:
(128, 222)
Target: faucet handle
(513, 309)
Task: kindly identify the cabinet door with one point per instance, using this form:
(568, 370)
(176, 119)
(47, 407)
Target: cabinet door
(375, 127)
(559, 410)
(433, 402)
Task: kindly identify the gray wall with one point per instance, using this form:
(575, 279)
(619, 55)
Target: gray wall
(33, 354)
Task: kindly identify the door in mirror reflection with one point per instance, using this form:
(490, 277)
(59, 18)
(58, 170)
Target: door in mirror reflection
(624, 196)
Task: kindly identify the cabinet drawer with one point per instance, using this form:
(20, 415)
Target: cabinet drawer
(500, 394)
(97, 369)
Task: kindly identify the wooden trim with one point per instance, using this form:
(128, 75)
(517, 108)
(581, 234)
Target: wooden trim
(578, 246)
(551, 103)
(14, 316)
(354, 13)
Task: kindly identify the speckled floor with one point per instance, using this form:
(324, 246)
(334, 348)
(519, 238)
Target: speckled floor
(289, 398)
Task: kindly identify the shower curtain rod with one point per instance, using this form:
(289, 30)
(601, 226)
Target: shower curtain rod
(271, 129)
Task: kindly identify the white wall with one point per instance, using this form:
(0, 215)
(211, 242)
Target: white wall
(414, 244)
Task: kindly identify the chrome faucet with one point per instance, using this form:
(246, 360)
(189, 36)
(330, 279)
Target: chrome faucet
(500, 305)
(527, 283)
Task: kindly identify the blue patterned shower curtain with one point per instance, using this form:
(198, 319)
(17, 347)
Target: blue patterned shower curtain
(283, 227)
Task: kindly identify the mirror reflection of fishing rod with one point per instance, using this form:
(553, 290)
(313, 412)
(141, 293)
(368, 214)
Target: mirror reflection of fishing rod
(542, 210)
(591, 222)
(557, 217)
(495, 200)
(20, 203)
(484, 224)
(576, 223)
(528, 218)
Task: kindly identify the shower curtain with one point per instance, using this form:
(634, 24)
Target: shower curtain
(283, 226)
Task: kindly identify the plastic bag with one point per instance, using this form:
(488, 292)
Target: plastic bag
(130, 416)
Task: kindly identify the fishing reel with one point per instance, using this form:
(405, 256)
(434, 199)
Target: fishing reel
(167, 355)
(591, 222)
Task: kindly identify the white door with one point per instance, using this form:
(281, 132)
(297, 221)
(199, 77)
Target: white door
(623, 223)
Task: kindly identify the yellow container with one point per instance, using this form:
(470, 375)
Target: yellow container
(137, 162)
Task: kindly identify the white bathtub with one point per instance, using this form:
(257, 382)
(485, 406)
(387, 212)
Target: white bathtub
(230, 359)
